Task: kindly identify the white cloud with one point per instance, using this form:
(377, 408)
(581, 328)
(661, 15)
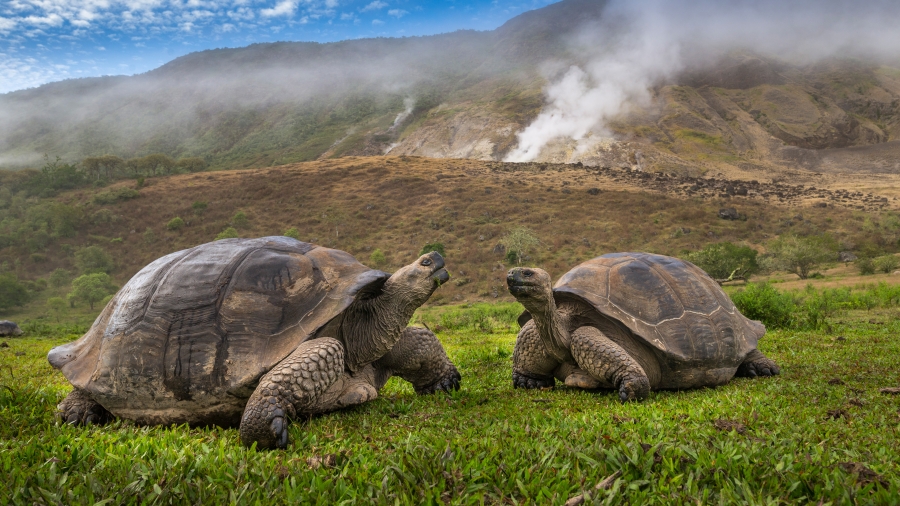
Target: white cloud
(283, 8)
(374, 6)
(376, 22)
(397, 13)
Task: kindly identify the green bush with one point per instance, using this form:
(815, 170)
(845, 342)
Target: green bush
(199, 207)
(93, 259)
(760, 301)
(433, 246)
(239, 220)
(293, 233)
(149, 235)
(886, 264)
(60, 277)
(726, 261)
(12, 292)
(865, 265)
(377, 258)
(175, 224)
(802, 255)
(228, 233)
(113, 196)
(91, 288)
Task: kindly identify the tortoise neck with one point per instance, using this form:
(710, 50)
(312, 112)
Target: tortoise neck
(372, 327)
(553, 327)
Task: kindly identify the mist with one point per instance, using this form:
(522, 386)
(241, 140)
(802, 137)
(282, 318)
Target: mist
(639, 44)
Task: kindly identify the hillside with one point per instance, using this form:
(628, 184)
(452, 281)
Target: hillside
(462, 95)
(399, 204)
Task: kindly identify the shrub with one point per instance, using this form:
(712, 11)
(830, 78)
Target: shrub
(518, 242)
(199, 207)
(93, 259)
(139, 183)
(865, 265)
(12, 293)
(60, 277)
(191, 164)
(766, 304)
(802, 255)
(726, 261)
(239, 220)
(886, 264)
(91, 288)
(113, 196)
(377, 258)
(175, 224)
(228, 233)
(57, 307)
(433, 246)
(293, 233)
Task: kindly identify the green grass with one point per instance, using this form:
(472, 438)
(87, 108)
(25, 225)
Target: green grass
(490, 444)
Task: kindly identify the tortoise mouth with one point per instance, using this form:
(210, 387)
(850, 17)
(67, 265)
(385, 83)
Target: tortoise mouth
(519, 287)
(441, 276)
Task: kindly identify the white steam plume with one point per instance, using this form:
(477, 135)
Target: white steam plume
(639, 43)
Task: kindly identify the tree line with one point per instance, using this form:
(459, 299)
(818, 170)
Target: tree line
(57, 175)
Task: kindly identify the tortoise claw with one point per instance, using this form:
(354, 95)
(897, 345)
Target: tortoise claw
(279, 430)
(522, 381)
(634, 389)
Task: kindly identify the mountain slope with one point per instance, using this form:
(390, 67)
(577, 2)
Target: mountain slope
(461, 95)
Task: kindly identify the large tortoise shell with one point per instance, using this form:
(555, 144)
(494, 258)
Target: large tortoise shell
(209, 321)
(671, 304)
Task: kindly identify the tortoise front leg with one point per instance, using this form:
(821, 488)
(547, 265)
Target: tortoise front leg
(419, 358)
(610, 363)
(533, 367)
(79, 408)
(292, 386)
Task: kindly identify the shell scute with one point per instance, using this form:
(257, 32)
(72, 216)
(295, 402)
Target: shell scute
(670, 304)
(200, 326)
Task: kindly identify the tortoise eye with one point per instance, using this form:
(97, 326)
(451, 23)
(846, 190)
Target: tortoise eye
(426, 262)
(527, 274)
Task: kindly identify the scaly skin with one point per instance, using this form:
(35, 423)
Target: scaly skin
(532, 366)
(757, 364)
(79, 408)
(291, 386)
(607, 361)
(420, 359)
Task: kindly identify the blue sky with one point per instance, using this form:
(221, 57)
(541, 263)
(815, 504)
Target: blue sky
(49, 40)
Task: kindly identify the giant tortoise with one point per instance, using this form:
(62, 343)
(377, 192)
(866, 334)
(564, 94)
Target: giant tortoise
(631, 322)
(253, 332)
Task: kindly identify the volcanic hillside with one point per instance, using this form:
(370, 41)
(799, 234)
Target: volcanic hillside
(398, 205)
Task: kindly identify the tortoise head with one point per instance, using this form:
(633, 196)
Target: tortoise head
(530, 286)
(421, 278)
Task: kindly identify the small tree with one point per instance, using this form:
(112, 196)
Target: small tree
(93, 259)
(228, 233)
(57, 307)
(518, 242)
(12, 293)
(191, 164)
(175, 224)
(801, 255)
(239, 220)
(433, 246)
(886, 264)
(725, 261)
(377, 258)
(91, 288)
(60, 277)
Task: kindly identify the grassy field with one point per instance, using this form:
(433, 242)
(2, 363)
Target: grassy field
(820, 433)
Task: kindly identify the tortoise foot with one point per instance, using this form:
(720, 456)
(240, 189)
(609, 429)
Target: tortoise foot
(79, 408)
(757, 364)
(522, 381)
(634, 388)
(583, 380)
(446, 384)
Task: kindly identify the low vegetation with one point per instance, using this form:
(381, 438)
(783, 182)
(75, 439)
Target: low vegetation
(821, 432)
